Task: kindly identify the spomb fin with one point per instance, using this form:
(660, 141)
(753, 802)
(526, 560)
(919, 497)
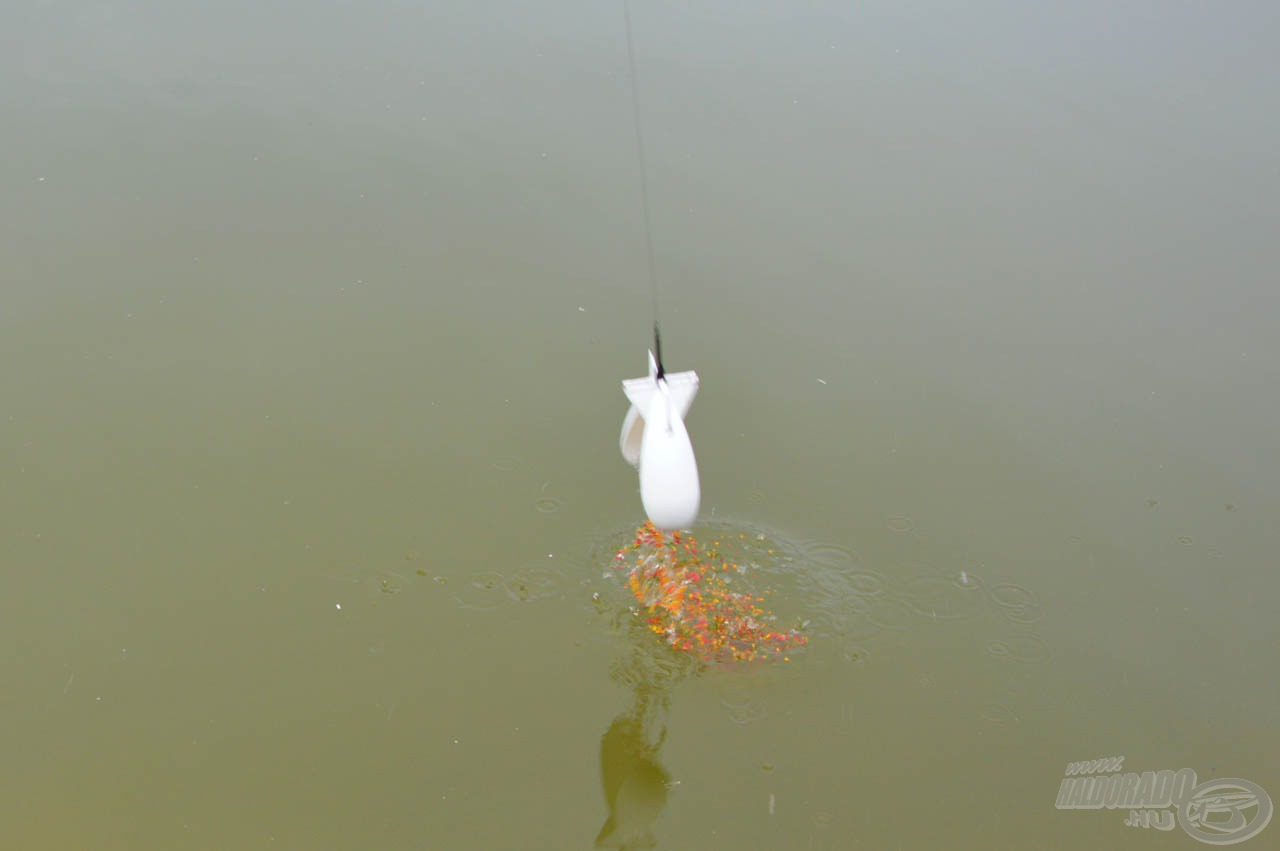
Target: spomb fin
(683, 387)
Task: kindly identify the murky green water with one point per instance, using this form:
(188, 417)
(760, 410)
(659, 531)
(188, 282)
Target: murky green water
(313, 322)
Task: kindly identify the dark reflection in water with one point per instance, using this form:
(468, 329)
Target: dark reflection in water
(634, 780)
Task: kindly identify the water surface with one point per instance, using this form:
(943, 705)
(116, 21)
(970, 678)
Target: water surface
(313, 322)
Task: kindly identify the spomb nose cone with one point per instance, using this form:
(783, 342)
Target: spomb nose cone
(669, 485)
(671, 515)
(671, 497)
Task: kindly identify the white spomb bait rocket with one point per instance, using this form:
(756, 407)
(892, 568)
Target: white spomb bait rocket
(655, 440)
(653, 434)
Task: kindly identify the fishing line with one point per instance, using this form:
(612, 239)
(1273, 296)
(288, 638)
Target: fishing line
(660, 451)
(644, 182)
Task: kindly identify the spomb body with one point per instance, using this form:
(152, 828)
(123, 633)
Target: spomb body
(669, 487)
(654, 440)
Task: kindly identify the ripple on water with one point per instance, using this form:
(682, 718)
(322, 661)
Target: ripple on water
(547, 505)
(535, 582)
(763, 551)
(830, 583)
(841, 597)
(830, 555)
(855, 654)
(481, 592)
(1013, 596)
(943, 599)
(997, 713)
(867, 583)
(857, 626)
(1027, 649)
(899, 523)
(603, 553)
(505, 463)
(745, 713)
(743, 704)
(1022, 615)
(891, 613)
(832, 601)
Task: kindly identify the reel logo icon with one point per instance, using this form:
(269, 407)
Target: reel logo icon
(1224, 812)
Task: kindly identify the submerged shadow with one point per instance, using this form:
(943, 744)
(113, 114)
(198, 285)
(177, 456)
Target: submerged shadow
(635, 781)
